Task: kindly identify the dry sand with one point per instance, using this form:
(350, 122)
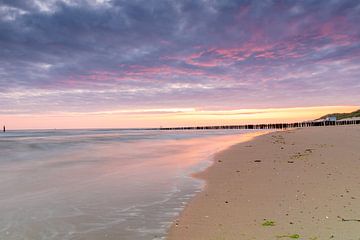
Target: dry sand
(307, 181)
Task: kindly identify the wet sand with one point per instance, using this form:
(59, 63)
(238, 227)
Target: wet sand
(296, 184)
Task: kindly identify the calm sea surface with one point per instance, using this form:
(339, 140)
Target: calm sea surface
(100, 184)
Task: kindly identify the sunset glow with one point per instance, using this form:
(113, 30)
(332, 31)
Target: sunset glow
(168, 117)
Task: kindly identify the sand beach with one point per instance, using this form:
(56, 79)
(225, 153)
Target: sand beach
(293, 184)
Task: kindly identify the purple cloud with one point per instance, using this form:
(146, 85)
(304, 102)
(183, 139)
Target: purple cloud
(94, 55)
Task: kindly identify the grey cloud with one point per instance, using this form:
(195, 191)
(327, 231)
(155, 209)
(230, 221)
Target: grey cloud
(147, 45)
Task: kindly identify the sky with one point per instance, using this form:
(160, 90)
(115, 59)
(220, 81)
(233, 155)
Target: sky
(103, 63)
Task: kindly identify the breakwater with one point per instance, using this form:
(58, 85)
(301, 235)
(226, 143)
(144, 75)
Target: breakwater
(269, 125)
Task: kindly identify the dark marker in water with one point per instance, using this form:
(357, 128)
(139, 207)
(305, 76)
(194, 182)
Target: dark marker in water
(4, 130)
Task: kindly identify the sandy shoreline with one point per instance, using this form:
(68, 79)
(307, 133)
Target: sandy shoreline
(305, 181)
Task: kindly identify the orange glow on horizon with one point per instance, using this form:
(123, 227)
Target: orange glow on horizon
(168, 117)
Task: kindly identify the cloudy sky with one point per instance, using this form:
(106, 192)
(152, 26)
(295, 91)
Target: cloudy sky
(103, 63)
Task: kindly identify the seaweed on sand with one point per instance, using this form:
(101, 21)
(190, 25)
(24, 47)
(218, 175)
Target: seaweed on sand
(268, 223)
(293, 236)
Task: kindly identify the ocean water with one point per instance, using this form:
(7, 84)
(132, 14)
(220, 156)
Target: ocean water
(100, 184)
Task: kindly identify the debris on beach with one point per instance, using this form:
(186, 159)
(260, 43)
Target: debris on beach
(349, 220)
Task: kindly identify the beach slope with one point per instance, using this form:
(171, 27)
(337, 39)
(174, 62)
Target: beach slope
(296, 184)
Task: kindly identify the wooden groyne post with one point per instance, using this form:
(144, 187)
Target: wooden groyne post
(270, 125)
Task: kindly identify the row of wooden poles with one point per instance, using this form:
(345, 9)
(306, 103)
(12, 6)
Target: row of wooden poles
(269, 126)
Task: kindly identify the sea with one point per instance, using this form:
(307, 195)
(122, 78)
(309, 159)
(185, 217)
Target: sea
(101, 183)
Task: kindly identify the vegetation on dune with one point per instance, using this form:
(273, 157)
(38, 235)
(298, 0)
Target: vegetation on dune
(340, 116)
